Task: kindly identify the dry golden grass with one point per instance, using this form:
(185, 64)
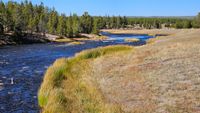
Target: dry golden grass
(96, 38)
(63, 40)
(162, 77)
(151, 41)
(102, 37)
(70, 41)
(151, 32)
(67, 87)
(131, 39)
(76, 43)
(154, 40)
(78, 40)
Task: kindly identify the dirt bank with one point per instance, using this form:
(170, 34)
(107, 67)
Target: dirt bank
(10, 39)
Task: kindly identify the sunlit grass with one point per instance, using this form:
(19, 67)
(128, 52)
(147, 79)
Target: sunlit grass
(152, 34)
(131, 40)
(76, 43)
(151, 41)
(94, 53)
(67, 89)
(102, 37)
(63, 40)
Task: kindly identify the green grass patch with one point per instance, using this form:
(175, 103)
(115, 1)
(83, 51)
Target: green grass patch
(67, 89)
(101, 51)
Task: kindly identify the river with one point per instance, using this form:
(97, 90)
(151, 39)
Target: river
(22, 68)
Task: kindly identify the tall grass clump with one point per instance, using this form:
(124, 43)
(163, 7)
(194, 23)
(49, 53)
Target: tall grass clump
(67, 87)
(94, 53)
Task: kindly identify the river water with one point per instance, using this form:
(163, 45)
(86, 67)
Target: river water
(22, 69)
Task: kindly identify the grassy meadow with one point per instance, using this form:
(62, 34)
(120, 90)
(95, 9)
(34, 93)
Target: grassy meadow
(67, 85)
(160, 77)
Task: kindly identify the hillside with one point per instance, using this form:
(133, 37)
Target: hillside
(160, 77)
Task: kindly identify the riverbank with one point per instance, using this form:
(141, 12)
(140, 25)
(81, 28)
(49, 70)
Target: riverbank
(68, 84)
(26, 65)
(10, 39)
(80, 39)
(160, 77)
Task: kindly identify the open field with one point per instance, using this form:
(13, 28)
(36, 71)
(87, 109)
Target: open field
(149, 31)
(160, 77)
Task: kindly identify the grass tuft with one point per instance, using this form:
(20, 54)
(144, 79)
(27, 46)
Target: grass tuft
(94, 53)
(76, 43)
(63, 40)
(131, 40)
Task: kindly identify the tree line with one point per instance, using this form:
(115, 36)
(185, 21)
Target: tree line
(25, 17)
(158, 23)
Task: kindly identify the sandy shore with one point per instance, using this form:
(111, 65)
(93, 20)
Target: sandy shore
(10, 39)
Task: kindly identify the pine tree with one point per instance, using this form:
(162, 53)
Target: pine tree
(43, 18)
(95, 29)
(86, 23)
(113, 22)
(187, 24)
(179, 25)
(156, 24)
(108, 22)
(118, 22)
(61, 25)
(49, 24)
(76, 25)
(26, 13)
(69, 23)
(10, 10)
(1, 25)
(124, 22)
(25, 17)
(19, 25)
(30, 26)
(198, 20)
(52, 23)
(101, 23)
(42, 24)
(2, 14)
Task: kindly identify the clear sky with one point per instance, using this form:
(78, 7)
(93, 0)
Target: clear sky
(124, 7)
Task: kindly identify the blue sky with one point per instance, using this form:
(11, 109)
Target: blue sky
(124, 7)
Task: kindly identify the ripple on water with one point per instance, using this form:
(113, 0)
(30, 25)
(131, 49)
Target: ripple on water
(24, 68)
